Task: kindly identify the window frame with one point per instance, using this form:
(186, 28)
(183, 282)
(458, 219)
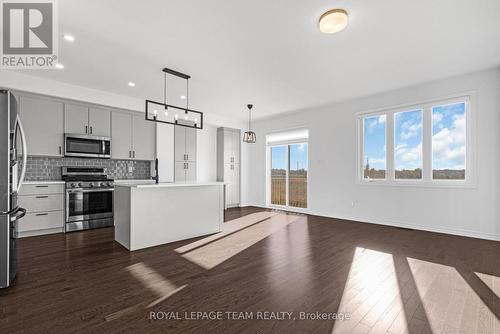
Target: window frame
(426, 180)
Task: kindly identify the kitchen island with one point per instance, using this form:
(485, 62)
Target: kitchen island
(149, 215)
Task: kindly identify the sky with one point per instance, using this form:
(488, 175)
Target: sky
(448, 138)
(298, 156)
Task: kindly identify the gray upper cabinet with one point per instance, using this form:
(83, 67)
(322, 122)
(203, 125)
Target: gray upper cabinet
(121, 136)
(76, 118)
(84, 120)
(100, 122)
(143, 138)
(132, 137)
(43, 123)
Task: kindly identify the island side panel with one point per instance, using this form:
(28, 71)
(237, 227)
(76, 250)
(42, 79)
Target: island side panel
(160, 215)
(121, 207)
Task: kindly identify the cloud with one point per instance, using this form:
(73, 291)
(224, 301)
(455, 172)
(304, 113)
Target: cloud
(375, 121)
(448, 145)
(437, 117)
(412, 155)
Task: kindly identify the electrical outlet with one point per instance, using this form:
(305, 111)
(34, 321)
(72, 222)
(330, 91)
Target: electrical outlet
(130, 169)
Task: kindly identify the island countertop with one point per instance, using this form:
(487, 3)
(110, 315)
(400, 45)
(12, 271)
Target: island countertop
(167, 184)
(148, 215)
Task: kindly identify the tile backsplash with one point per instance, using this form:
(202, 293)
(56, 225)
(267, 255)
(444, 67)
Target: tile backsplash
(49, 169)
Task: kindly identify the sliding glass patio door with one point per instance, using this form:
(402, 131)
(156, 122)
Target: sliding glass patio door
(288, 175)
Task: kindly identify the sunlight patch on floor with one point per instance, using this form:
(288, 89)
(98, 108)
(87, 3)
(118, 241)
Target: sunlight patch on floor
(451, 304)
(214, 252)
(492, 282)
(161, 287)
(228, 228)
(371, 294)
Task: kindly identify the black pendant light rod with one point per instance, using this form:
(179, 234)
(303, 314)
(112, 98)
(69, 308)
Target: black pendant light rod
(176, 73)
(249, 106)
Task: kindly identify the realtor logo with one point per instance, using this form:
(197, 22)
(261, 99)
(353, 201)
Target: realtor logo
(29, 34)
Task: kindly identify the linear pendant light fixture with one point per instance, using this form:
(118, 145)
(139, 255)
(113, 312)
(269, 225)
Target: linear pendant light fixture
(249, 136)
(170, 114)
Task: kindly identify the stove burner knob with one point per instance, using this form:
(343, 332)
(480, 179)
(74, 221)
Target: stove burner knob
(80, 184)
(91, 185)
(110, 184)
(102, 184)
(73, 185)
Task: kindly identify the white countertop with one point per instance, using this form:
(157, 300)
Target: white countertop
(168, 184)
(43, 182)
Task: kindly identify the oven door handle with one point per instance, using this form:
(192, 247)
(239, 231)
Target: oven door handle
(97, 190)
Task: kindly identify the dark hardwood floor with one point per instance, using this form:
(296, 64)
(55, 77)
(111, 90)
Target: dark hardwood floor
(381, 279)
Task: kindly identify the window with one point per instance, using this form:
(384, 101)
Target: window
(408, 145)
(374, 147)
(420, 144)
(448, 142)
(288, 169)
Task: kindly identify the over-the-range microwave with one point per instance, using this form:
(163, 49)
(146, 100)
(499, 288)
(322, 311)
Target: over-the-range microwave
(87, 146)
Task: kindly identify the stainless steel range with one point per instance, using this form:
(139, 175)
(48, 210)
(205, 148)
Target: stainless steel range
(89, 198)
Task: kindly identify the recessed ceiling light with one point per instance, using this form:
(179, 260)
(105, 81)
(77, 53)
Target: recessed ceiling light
(69, 38)
(183, 97)
(59, 66)
(131, 84)
(333, 21)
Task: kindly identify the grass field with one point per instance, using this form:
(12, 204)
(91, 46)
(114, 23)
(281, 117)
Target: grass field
(297, 190)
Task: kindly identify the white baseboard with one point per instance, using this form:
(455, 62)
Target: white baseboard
(440, 229)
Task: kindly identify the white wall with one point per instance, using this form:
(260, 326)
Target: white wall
(206, 154)
(332, 164)
(165, 151)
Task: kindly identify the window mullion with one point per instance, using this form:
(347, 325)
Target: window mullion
(427, 145)
(390, 147)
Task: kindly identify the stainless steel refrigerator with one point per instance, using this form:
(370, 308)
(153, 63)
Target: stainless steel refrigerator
(12, 169)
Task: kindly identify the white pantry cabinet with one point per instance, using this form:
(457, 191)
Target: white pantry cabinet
(228, 163)
(185, 154)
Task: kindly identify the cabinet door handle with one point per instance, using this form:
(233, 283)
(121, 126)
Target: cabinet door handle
(41, 214)
(133, 153)
(90, 130)
(86, 129)
(60, 150)
(130, 154)
(41, 186)
(42, 197)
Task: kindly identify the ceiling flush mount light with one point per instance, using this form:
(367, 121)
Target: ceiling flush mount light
(190, 117)
(333, 21)
(131, 84)
(249, 136)
(69, 38)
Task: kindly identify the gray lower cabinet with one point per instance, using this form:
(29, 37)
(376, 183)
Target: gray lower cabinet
(132, 137)
(82, 119)
(44, 204)
(228, 163)
(185, 154)
(43, 124)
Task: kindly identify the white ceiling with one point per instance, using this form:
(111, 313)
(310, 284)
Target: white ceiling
(271, 53)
